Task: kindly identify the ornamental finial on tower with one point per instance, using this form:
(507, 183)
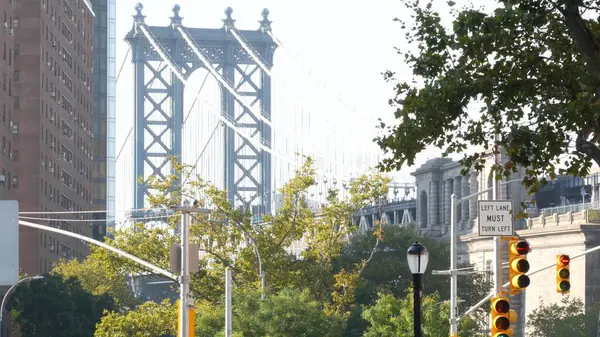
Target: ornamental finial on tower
(176, 19)
(265, 23)
(139, 17)
(228, 21)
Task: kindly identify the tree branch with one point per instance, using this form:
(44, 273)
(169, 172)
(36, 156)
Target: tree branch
(223, 260)
(377, 240)
(587, 42)
(254, 246)
(588, 148)
(292, 226)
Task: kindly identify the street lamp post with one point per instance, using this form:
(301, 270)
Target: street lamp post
(417, 256)
(7, 295)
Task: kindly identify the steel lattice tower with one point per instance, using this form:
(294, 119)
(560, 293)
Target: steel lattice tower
(159, 111)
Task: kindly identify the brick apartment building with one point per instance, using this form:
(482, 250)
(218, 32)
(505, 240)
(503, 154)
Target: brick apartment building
(7, 63)
(49, 131)
(52, 139)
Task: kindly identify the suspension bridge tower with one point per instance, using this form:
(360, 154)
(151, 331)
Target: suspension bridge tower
(163, 59)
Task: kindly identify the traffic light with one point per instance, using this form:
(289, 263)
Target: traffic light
(563, 274)
(518, 264)
(501, 317)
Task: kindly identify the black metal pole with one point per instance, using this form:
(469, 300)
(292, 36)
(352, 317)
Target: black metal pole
(417, 285)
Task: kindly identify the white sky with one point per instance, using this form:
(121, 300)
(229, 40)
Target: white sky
(346, 44)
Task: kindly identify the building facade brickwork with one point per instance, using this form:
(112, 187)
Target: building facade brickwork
(52, 125)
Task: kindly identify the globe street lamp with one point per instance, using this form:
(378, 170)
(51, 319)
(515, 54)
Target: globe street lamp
(8, 293)
(417, 256)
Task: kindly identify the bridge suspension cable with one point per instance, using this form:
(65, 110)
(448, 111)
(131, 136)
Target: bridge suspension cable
(321, 84)
(258, 144)
(260, 61)
(258, 113)
(117, 81)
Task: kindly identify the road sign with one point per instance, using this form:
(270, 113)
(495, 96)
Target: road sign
(495, 217)
(9, 242)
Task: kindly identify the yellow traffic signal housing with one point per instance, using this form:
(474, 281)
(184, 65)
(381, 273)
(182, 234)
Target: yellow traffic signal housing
(501, 317)
(563, 274)
(518, 264)
(191, 321)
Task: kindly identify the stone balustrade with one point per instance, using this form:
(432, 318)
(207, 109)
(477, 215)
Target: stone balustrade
(565, 219)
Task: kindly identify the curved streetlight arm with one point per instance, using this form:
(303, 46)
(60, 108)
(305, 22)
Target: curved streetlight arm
(11, 290)
(117, 251)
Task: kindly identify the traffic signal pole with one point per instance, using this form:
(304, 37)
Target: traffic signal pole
(185, 300)
(453, 271)
(497, 249)
(184, 284)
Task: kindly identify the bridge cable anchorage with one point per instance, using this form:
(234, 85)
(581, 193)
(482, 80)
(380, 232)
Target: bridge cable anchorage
(321, 84)
(117, 251)
(227, 122)
(262, 64)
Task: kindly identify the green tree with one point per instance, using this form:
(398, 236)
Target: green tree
(148, 320)
(99, 277)
(390, 317)
(220, 237)
(290, 312)
(210, 319)
(388, 271)
(564, 319)
(533, 66)
(56, 307)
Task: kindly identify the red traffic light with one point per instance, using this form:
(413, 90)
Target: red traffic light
(501, 306)
(564, 260)
(522, 247)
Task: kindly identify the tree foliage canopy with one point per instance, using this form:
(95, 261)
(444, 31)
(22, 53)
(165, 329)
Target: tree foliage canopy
(57, 307)
(534, 65)
(148, 320)
(391, 317)
(321, 292)
(563, 319)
